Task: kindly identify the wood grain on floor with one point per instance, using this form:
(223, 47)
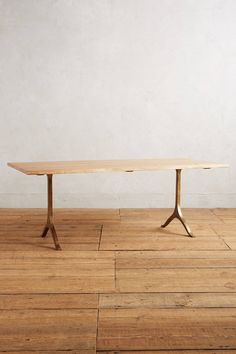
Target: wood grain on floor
(166, 329)
(121, 285)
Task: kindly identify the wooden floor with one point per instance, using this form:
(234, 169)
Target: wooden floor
(121, 284)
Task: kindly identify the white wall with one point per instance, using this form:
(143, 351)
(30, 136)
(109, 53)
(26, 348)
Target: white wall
(110, 79)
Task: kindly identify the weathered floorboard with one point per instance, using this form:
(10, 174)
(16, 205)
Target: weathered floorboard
(121, 285)
(166, 329)
(47, 329)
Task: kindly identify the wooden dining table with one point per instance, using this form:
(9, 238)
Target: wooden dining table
(50, 168)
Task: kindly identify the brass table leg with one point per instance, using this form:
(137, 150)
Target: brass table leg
(50, 225)
(177, 213)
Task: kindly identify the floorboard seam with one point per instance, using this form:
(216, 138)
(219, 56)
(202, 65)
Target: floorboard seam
(222, 239)
(97, 322)
(100, 237)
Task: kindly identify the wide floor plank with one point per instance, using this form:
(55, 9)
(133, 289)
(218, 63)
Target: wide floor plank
(175, 259)
(166, 329)
(81, 272)
(176, 280)
(154, 229)
(48, 301)
(154, 242)
(167, 300)
(47, 329)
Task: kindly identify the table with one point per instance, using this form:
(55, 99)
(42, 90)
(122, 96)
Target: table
(49, 168)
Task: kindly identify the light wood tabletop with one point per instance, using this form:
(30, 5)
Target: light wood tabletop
(86, 166)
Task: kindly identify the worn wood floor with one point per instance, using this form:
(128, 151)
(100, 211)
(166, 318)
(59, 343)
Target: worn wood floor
(121, 284)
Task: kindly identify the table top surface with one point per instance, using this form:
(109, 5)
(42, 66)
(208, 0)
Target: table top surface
(86, 166)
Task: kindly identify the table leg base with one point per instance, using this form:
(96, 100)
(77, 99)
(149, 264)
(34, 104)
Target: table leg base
(177, 215)
(51, 227)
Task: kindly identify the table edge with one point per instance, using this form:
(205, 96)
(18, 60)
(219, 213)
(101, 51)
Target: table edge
(48, 172)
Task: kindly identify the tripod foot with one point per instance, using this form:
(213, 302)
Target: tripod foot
(176, 215)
